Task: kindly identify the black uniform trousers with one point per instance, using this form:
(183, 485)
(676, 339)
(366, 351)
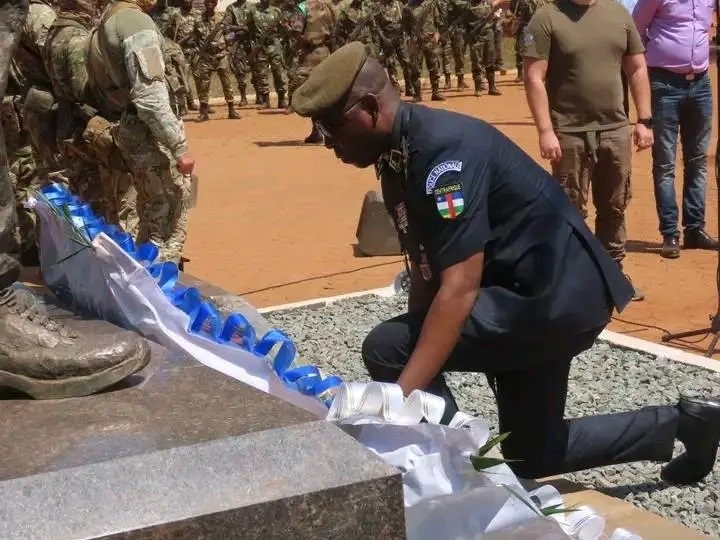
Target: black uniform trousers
(530, 382)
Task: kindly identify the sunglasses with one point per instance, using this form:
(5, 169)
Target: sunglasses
(334, 122)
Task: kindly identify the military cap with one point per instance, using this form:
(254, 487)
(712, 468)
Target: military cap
(330, 82)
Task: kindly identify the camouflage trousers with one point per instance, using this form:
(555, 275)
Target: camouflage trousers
(161, 192)
(396, 55)
(497, 45)
(520, 46)
(482, 54)
(430, 51)
(269, 60)
(203, 73)
(445, 54)
(457, 45)
(240, 66)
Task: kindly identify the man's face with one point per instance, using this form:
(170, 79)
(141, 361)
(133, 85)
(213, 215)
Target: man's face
(187, 4)
(351, 134)
(210, 5)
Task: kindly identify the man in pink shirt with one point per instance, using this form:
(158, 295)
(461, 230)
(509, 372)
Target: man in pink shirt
(676, 36)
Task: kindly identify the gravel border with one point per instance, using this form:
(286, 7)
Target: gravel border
(330, 336)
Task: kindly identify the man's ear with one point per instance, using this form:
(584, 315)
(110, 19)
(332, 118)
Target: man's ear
(371, 106)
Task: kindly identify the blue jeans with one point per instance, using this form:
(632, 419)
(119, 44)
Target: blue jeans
(683, 106)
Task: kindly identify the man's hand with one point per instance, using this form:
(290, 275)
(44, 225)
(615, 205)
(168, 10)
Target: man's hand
(186, 163)
(642, 137)
(550, 146)
(436, 37)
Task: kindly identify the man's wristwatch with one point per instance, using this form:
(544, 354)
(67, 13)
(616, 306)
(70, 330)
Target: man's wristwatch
(647, 122)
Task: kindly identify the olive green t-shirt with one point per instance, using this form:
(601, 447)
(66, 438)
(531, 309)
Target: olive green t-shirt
(584, 47)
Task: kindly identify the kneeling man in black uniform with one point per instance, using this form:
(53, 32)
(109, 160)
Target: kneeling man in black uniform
(506, 278)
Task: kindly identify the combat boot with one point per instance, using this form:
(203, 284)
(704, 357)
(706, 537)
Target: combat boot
(203, 116)
(417, 92)
(493, 91)
(47, 360)
(243, 96)
(478, 88)
(436, 95)
(448, 82)
(266, 101)
(282, 101)
(191, 105)
(461, 84)
(232, 113)
(259, 99)
(519, 77)
(315, 136)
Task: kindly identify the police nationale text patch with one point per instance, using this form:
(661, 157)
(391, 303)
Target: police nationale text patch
(449, 200)
(438, 171)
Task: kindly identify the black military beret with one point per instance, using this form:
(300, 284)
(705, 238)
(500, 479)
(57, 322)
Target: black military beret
(330, 81)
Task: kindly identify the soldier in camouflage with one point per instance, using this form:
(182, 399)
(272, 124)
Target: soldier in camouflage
(522, 10)
(497, 41)
(209, 40)
(445, 45)
(179, 29)
(239, 46)
(389, 29)
(38, 117)
(356, 22)
(480, 37)
(265, 23)
(311, 26)
(456, 35)
(125, 66)
(423, 22)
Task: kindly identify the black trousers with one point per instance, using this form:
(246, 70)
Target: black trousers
(530, 390)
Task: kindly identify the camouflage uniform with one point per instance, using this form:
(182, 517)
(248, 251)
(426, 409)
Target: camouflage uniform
(497, 41)
(177, 26)
(423, 22)
(239, 46)
(126, 68)
(456, 36)
(389, 28)
(311, 27)
(523, 11)
(209, 40)
(481, 42)
(355, 22)
(445, 44)
(34, 163)
(264, 23)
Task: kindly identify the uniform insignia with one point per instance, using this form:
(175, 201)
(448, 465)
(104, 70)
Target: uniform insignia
(529, 39)
(449, 200)
(438, 171)
(424, 265)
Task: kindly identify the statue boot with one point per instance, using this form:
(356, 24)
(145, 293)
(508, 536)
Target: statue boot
(47, 360)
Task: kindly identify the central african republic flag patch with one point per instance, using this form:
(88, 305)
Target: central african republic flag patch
(449, 200)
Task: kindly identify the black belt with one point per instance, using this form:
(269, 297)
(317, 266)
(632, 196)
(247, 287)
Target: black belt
(689, 76)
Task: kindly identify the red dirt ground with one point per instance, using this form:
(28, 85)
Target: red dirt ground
(275, 220)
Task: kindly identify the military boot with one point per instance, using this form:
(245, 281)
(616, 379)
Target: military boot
(417, 92)
(519, 77)
(243, 96)
(191, 104)
(448, 82)
(315, 136)
(266, 101)
(203, 116)
(259, 99)
(461, 84)
(47, 360)
(478, 88)
(493, 91)
(436, 95)
(282, 101)
(232, 113)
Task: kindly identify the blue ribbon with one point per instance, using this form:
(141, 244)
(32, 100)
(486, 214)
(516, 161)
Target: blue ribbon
(205, 321)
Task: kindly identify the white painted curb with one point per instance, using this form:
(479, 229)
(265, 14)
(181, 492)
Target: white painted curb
(619, 340)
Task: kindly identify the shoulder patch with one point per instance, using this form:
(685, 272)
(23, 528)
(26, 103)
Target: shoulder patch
(438, 171)
(449, 200)
(529, 39)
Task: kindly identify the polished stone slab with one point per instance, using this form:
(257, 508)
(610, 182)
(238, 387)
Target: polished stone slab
(182, 451)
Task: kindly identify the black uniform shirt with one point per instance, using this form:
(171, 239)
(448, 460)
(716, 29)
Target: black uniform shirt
(456, 186)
